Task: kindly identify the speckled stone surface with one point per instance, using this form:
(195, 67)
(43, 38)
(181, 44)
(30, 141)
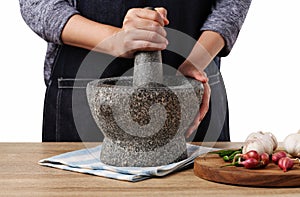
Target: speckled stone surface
(147, 68)
(144, 126)
(144, 117)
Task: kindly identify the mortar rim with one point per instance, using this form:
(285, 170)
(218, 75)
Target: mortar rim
(187, 83)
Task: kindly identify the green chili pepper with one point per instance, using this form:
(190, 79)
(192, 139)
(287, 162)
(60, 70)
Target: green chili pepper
(223, 153)
(229, 152)
(226, 158)
(230, 157)
(233, 154)
(232, 164)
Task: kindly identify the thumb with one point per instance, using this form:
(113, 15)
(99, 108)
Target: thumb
(163, 12)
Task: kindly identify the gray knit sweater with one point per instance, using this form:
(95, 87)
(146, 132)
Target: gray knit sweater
(47, 18)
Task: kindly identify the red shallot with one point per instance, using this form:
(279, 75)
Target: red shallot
(285, 163)
(251, 159)
(264, 159)
(250, 154)
(278, 155)
(250, 163)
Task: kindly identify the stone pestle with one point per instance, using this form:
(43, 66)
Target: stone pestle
(148, 69)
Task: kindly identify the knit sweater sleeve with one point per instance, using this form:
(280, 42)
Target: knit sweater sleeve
(227, 18)
(47, 18)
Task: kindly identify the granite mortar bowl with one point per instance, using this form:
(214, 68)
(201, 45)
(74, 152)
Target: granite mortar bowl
(144, 126)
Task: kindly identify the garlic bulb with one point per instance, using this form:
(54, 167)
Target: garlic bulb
(261, 142)
(292, 144)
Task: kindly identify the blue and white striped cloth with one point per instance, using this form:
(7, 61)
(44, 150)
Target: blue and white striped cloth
(88, 161)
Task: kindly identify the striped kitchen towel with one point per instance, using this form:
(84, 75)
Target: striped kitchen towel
(88, 161)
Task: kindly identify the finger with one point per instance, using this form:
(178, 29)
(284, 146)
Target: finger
(140, 42)
(193, 126)
(202, 112)
(141, 45)
(163, 13)
(147, 14)
(205, 101)
(144, 24)
(151, 26)
(134, 40)
(200, 76)
(147, 36)
(188, 69)
(189, 132)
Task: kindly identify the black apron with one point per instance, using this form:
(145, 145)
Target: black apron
(67, 115)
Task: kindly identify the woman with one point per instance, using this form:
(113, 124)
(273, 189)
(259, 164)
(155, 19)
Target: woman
(74, 27)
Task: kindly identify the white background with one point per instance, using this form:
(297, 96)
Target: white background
(261, 74)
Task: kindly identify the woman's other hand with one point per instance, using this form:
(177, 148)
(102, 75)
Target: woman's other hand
(206, 48)
(189, 70)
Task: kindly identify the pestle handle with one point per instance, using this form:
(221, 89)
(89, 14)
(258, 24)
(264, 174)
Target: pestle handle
(148, 69)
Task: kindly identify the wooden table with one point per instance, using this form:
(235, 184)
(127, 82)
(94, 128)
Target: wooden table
(20, 175)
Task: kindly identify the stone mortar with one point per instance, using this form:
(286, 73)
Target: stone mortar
(144, 117)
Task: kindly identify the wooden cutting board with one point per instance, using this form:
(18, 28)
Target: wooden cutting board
(209, 167)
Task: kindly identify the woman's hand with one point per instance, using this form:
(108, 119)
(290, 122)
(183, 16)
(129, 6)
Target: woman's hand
(189, 70)
(142, 30)
(206, 48)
